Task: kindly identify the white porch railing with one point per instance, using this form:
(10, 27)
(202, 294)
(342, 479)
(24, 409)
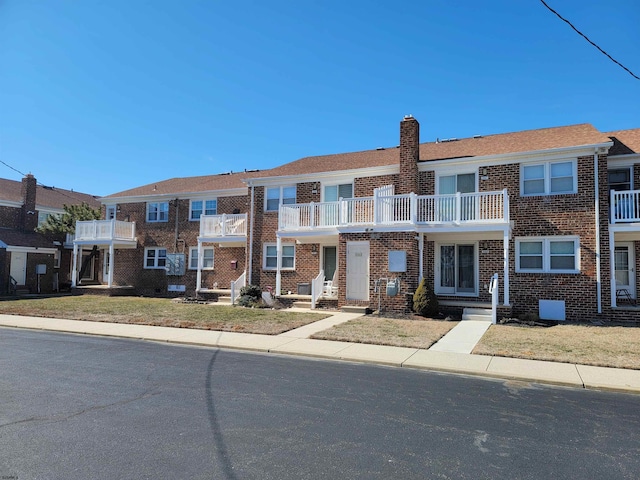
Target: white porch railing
(625, 206)
(225, 225)
(237, 285)
(411, 209)
(96, 230)
(317, 285)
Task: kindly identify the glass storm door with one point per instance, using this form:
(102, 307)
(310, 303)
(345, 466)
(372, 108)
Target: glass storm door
(624, 263)
(457, 269)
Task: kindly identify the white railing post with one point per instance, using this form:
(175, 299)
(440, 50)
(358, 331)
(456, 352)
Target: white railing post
(494, 291)
(312, 215)
(414, 208)
(505, 205)
(458, 206)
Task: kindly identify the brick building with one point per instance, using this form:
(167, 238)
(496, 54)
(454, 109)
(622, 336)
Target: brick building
(23, 206)
(555, 212)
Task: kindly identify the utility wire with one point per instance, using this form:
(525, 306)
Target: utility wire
(14, 169)
(588, 40)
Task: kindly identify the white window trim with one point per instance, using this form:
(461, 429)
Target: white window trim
(438, 289)
(191, 255)
(546, 253)
(452, 173)
(547, 177)
(334, 184)
(264, 256)
(157, 221)
(204, 207)
(156, 257)
(280, 195)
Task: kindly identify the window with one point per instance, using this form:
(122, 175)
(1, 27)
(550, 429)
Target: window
(56, 259)
(277, 196)
(457, 269)
(548, 254)
(203, 207)
(42, 217)
(463, 183)
(271, 257)
(158, 212)
(110, 213)
(332, 193)
(155, 257)
(548, 178)
(207, 258)
(620, 179)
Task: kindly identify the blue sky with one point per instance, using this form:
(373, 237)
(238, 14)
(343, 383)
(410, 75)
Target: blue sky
(103, 96)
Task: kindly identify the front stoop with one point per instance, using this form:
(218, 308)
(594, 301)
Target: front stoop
(355, 309)
(477, 314)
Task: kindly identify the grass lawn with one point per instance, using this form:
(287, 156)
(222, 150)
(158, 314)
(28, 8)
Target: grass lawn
(587, 345)
(389, 331)
(162, 312)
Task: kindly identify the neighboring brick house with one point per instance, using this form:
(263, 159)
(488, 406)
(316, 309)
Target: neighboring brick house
(532, 206)
(23, 206)
(177, 236)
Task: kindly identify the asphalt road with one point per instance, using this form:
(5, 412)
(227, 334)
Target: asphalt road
(76, 407)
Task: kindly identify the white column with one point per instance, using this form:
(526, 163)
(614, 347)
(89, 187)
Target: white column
(612, 268)
(74, 270)
(199, 268)
(421, 259)
(111, 263)
(278, 266)
(505, 242)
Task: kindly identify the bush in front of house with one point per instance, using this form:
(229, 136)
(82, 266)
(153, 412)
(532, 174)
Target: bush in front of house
(425, 302)
(250, 296)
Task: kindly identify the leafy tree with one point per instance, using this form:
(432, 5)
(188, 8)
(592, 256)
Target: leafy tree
(425, 301)
(66, 222)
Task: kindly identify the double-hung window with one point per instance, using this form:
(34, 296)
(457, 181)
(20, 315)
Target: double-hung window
(550, 178)
(203, 207)
(157, 211)
(276, 196)
(155, 257)
(207, 258)
(548, 254)
(271, 257)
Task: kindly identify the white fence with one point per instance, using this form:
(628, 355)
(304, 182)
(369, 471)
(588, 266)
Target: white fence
(105, 230)
(625, 206)
(231, 225)
(237, 285)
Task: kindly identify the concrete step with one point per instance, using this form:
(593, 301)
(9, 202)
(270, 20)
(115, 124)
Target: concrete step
(299, 304)
(224, 300)
(466, 316)
(354, 309)
(477, 311)
(479, 314)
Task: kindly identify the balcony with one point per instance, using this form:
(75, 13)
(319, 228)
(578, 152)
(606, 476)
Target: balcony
(223, 228)
(105, 232)
(410, 210)
(625, 206)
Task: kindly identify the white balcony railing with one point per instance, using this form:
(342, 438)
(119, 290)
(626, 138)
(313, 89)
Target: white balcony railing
(411, 209)
(105, 230)
(625, 206)
(231, 225)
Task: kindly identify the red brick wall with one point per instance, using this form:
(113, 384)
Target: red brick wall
(409, 149)
(10, 217)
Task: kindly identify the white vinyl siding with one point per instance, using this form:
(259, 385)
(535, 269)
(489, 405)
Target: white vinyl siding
(271, 257)
(551, 178)
(548, 255)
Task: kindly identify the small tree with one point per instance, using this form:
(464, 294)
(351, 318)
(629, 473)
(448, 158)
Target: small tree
(425, 302)
(66, 222)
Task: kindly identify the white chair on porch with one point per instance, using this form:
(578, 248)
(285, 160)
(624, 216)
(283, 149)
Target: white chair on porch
(330, 287)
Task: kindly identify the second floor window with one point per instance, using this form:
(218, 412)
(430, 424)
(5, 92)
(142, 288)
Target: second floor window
(203, 207)
(158, 212)
(276, 196)
(548, 178)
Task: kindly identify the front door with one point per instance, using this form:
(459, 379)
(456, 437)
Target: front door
(357, 271)
(456, 272)
(19, 267)
(329, 263)
(624, 262)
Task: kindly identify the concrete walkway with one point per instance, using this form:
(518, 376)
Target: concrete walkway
(463, 337)
(293, 343)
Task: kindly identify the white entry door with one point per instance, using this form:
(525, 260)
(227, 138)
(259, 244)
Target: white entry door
(357, 271)
(624, 261)
(19, 267)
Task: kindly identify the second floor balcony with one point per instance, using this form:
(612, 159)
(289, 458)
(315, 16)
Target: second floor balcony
(104, 231)
(411, 210)
(223, 226)
(625, 206)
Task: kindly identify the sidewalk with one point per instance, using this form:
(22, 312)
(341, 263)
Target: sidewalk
(296, 342)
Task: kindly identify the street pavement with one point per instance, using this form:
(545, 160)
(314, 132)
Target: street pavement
(296, 342)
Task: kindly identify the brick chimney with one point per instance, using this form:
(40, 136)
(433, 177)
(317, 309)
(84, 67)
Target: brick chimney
(409, 149)
(29, 213)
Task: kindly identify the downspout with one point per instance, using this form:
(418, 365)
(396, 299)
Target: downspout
(250, 260)
(597, 209)
(421, 258)
(175, 244)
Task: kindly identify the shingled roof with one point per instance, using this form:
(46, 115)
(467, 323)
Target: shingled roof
(504, 143)
(205, 183)
(625, 142)
(47, 197)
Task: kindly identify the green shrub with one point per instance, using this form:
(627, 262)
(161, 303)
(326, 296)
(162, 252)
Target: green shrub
(425, 302)
(252, 291)
(247, 301)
